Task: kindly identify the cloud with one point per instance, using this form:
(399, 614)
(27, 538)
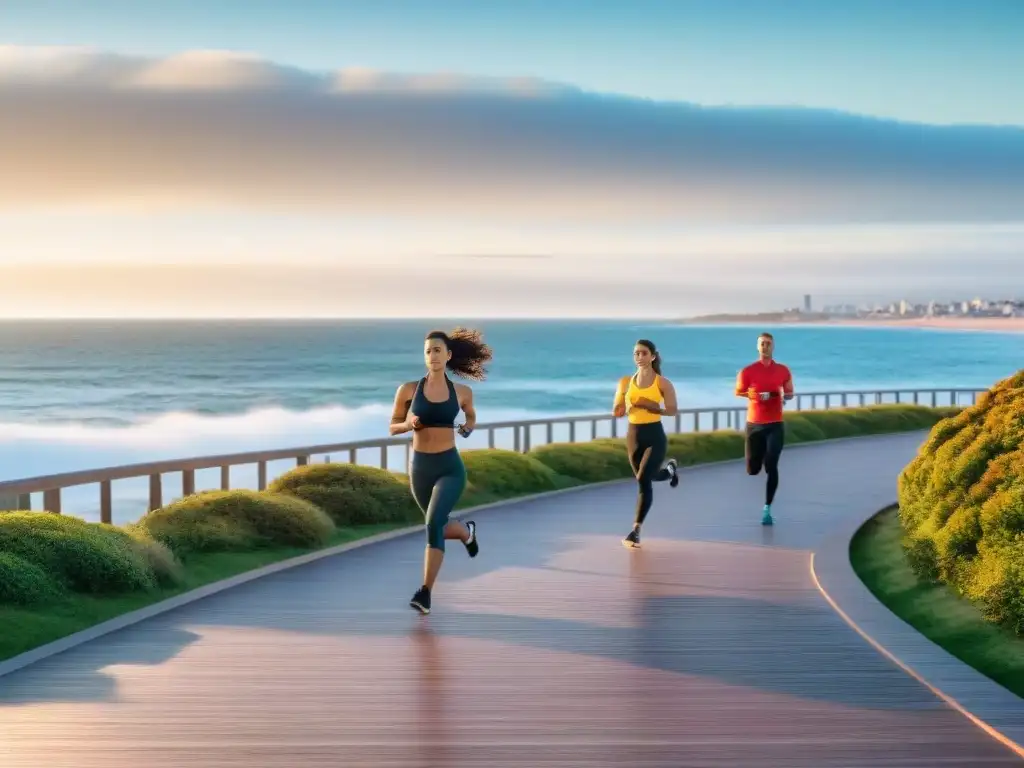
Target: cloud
(229, 130)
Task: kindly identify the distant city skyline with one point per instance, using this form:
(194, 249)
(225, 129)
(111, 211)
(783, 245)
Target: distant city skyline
(686, 158)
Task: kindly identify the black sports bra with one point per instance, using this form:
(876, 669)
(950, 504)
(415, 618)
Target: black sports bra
(433, 414)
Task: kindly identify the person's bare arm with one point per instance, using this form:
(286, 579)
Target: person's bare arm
(619, 403)
(669, 393)
(401, 422)
(466, 402)
(787, 388)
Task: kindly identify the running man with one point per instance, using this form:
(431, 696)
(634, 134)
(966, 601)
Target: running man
(766, 384)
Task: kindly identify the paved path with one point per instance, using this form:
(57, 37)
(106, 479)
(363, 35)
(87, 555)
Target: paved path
(555, 647)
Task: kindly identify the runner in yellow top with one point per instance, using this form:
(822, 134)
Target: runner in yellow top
(640, 397)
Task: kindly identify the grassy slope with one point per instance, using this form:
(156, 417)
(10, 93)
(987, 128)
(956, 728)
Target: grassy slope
(935, 611)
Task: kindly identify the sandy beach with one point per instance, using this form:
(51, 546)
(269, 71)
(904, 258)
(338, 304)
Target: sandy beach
(1000, 324)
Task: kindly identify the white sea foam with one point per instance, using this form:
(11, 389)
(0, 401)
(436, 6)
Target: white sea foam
(29, 450)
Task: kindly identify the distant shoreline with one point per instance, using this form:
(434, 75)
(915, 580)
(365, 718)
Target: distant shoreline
(990, 324)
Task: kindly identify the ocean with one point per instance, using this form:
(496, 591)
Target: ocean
(86, 394)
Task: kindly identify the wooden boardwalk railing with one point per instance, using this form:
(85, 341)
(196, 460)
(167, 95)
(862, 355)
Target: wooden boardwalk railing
(17, 494)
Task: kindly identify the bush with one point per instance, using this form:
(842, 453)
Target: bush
(962, 503)
(166, 568)
(23, 583)
(592, 462)
(508, 473)
(84, 557)
(705, 447)
(218, 521)
(352, 495)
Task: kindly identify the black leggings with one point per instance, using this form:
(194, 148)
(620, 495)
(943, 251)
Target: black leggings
(764, 447)
(437, 481)
(647, 446)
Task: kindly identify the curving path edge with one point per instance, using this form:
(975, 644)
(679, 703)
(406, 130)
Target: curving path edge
(996, 710)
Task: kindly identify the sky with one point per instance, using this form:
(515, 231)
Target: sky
(557, 158)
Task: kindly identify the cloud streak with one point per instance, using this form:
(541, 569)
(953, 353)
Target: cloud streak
(227, 130)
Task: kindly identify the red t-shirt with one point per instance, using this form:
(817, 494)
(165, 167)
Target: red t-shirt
(763, 378)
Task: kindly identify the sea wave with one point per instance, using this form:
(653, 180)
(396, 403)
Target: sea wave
(28, 449)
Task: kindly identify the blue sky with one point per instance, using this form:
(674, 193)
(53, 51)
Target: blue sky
(148, 139)
(929, 60)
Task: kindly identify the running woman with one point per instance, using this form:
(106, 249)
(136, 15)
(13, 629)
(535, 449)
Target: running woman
(766, 384)
(428, 408)
(645, 397)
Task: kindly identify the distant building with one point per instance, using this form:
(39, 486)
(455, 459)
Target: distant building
(807, 302)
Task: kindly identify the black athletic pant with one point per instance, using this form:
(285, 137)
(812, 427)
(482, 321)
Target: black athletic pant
(764, 446)
(647, 446)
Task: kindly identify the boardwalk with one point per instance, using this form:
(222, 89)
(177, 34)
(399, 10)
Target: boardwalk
(555, 647)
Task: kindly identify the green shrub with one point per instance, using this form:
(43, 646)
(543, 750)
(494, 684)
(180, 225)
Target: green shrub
(964, 494)
(587, 462)
(508, 473)
(166, 568)
(705, 447)
(84, 557)
(352, 495)
(213, 521)
(24, 583)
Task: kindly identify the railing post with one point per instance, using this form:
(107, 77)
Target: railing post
(934, 399)
(515, 440)
(526, 438)
(615, 427)
(550, 433)
(490, 437)
(261, 475)
(51, 500)
(696, 421)
(156, 492)
(383, 457)
(714, 421)
(106, 502)
(572, 431)
(225, 477)
(679, 423)
(188, 482)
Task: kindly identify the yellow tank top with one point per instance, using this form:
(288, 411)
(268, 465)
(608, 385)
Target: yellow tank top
(634, 392)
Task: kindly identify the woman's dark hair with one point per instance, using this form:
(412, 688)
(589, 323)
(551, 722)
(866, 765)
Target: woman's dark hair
(469, 353)
(656, 362)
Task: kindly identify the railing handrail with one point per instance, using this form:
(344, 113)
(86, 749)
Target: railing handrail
(42, 483)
